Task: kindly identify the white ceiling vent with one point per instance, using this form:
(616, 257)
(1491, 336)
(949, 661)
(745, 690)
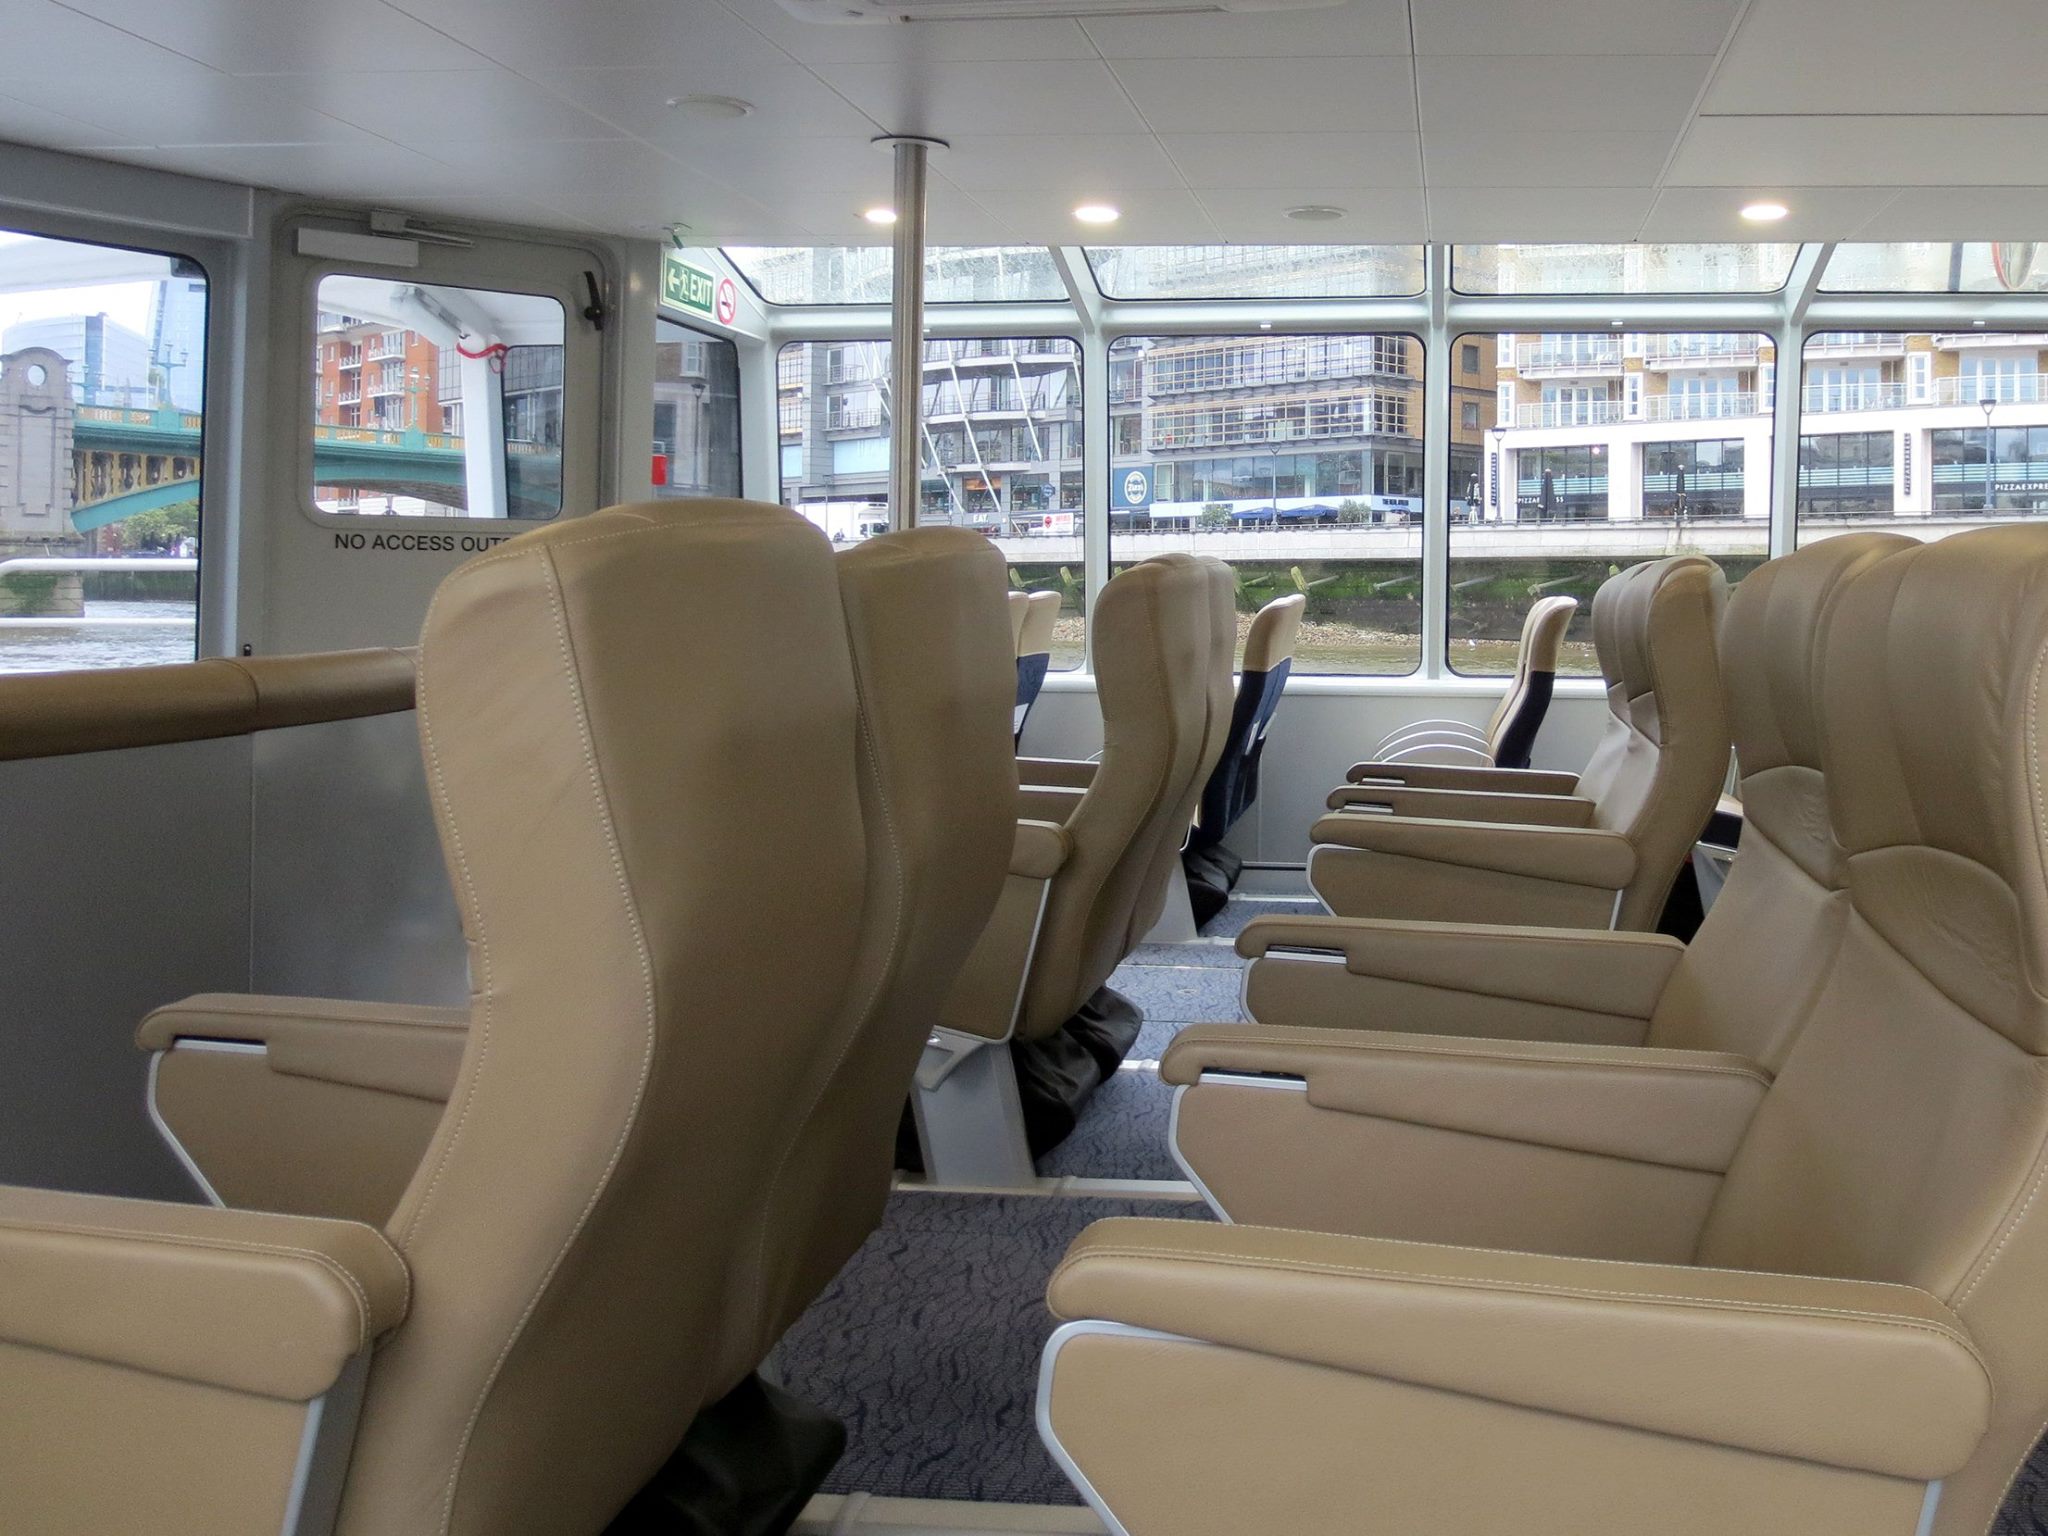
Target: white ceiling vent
(843, 12)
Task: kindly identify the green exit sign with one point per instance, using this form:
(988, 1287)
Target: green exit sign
(686, 287)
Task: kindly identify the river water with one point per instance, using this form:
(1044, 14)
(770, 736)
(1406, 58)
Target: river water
(121, 643)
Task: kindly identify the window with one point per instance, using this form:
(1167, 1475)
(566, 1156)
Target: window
(1256, 271)
(1296, 458)
(1468, 414)
(1002, 434)
(1601, 450)
(1974, 266)
(696, 413)
(1920, 431)
(1468, 359)
(864, 274)
(398, 431)
(102, 393)
(1633, 268)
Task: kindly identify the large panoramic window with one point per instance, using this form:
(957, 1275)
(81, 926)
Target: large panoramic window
(696, 413)
(1621, 269)
(1923, 431)
(1001, 451)
(1594, 451)
(864, 274)
(1256, 271)
(1931, 266)
(1298, 459)
(436, 402)
(102, 389)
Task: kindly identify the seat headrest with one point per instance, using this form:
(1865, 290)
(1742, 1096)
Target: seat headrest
(1651, 620)
(1770, 659)
(1273, 632)
(1543, 632)
(1020, 605)
(1931, 695)
(1034, 630)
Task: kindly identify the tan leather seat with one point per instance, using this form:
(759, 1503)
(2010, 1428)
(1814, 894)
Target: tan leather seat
(662, 1136)
(1032, 616)
(1597, 850)
(1742, 987)
(1847, 1341)
(1510, 733)
(1158, 632)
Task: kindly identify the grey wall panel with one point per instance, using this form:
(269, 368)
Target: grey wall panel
(351, 897)
(125, 885)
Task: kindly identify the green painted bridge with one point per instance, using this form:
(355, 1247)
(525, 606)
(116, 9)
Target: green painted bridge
(116, 452)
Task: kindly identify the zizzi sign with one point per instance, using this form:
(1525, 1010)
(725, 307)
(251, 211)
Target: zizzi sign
(691, 288)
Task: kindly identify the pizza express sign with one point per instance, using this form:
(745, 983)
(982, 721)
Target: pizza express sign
(697, 292)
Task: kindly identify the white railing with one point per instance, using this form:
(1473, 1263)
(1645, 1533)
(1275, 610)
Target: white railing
(1680, 350)
(1569, 413)
(1683, 407)
(2003, 388)
(82, 563)
(1821, 399)
(1596, 355)
(1856, 343)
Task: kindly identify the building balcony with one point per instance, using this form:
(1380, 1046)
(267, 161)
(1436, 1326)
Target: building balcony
(1663, 352)
(1573, 359)
(352, 396)
(1682, 407)
(2001, 388)
(1569, 413)
(1951, 341)
(1856, 344)
(1823, 399)
(854, 421)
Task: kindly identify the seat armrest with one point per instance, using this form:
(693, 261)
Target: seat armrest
(1846, 1373)
(1510, 781)
(1587, 856)
(1620, 974)
(270, 1305)
(1047, 802)
(397, 1048)
(1464, 804)
(1040, 850)
(1064, 772)
(1674, 1109)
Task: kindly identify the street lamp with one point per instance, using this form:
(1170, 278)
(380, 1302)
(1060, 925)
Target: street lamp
(1990, 473)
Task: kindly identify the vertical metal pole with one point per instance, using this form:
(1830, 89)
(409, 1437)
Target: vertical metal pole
(906, 336)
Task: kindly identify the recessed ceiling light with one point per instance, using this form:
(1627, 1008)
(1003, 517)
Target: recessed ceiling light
(1766, 212)
(1976, 322)
(711, 109)
(1615, 323)
(880, 215)
(1265, 325)
(1316, 213)
(1097, 213)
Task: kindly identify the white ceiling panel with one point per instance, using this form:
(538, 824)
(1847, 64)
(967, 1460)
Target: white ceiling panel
(1844, 56)
(42, 41)
(1959, 213)
(930, 41)
(548, 34)
(1584, 26)
(422, 110)
(278, 36)
(1547, 95)
(1062, 162)
(860, 174)
(1359, 27)
(1156, 216)
(1862, 151)
(951, 216)
(1022, 96)
(26, 123)
(498, 209)
(546, 168)
(1714, 213)
(1262, 159)
(1572, 158)
(1537, 213)
(372, 171)
(789, 101)
(1373, 215)
(207, 109)
(1259, 95)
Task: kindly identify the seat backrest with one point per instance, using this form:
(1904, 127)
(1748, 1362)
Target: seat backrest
(1659, 766)
(1511, 733)
(1153, 646)
(1032, 615)
(1906, 1137)
(1749, 976)
(641, 734)
(1233, 784)
(938, 783)
(1174, 830)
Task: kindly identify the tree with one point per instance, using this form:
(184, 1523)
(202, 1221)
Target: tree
(1214, 516)
(161, 527)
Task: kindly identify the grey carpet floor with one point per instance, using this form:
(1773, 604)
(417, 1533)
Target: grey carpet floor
(927, 1345)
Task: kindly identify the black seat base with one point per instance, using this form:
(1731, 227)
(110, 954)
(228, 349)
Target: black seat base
(747, 1467)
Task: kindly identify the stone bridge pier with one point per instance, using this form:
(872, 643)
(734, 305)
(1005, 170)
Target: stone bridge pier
(36, 489)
